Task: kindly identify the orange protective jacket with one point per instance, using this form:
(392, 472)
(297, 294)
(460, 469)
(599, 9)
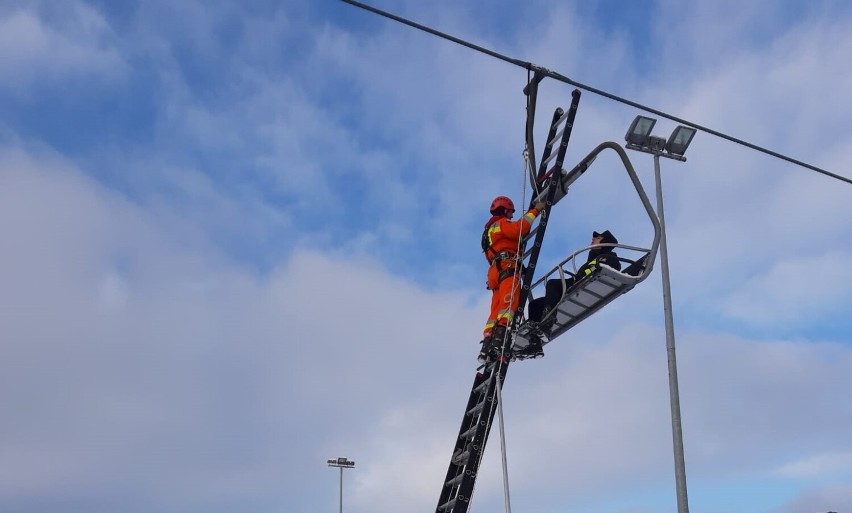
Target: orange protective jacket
(502, 237)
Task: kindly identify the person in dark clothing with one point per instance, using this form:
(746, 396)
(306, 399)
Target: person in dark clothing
(554, 289)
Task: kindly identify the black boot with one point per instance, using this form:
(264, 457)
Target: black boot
(486, 350)
(497, 339)
(483, 351)
(533, 349)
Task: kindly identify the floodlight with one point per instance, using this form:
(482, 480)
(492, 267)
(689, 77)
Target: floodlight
(640, 130)
(679, 140)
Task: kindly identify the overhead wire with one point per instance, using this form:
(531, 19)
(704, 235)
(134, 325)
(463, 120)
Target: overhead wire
(557, 76)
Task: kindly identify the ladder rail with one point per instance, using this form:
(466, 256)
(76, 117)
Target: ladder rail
(462, 450)
(526, 280)
(482, 403)
(468, 482)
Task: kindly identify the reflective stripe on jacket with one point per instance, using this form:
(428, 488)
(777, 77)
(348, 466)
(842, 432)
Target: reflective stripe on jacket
(503, 235)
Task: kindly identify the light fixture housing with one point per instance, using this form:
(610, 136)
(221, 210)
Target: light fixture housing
(341, 462)
(656, 144)
(640, 130)
(679, 140)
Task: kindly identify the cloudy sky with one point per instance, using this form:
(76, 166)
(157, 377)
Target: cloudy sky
(242, 238)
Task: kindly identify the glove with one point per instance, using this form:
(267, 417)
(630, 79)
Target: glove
(539, 205)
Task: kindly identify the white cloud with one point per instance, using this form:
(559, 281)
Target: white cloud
(153, 340)
(739, 222)
(32, 51)
(836, 498)
(793, 291)
(140, 357)
(590, 423)
(817, 465)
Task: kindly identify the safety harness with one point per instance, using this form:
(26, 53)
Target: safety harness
(497, 257)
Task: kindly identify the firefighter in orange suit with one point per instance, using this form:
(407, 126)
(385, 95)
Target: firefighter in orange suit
(500, 240)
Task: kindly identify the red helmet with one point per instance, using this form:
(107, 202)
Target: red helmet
(501, 201)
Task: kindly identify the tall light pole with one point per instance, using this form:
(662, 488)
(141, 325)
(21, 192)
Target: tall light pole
(342, 463)
(639, 138)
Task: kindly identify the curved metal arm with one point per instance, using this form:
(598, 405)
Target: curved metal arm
(571, 176)
(531, 91)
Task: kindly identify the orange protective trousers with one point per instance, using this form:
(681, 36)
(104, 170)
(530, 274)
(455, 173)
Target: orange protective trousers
(504, 297)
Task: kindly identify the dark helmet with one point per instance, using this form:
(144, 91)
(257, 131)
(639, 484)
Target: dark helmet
(606, 237)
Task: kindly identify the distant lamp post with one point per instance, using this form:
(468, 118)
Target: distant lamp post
(342, 463)
(639, 138)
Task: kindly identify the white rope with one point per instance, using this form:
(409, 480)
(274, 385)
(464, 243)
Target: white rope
(506, 497)
(518, 249)
(497, 371)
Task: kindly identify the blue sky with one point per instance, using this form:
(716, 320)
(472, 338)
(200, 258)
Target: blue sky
(241, 238)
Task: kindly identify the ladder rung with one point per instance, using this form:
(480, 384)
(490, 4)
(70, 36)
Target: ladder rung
(461, 457)
(447, 505)
(483, 384)
(562, 118)
(551, 143)
(467, 435)
(528, 237)
(454, 481)
(476, 409)
(592, 293)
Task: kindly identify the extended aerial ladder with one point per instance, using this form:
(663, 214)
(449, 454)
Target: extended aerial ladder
(585, 296)
(482, 403)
